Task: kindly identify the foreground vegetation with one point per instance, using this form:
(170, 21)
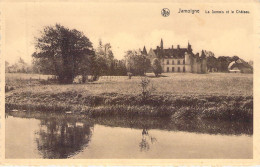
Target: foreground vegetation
(216, 96)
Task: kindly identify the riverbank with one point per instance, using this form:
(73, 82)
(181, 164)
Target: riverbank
(233, 108)
(184, 97)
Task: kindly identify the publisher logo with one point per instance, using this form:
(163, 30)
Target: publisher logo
(165, 12)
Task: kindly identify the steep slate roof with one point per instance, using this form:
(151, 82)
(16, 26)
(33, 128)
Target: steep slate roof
(172, 53)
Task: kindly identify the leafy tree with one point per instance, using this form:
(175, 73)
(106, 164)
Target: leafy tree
(234, 58)
(19, 67)
(223, 62)
(120, 68)
(136, 63)
(157, 68)
(212, 63)
(104, 62)
(105, 54)
(99, 67)
(42, 66)
(67, 53)
(22, 66)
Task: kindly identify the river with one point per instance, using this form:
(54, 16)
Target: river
(53, 136)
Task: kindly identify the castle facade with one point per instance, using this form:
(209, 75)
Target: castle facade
(178, 59)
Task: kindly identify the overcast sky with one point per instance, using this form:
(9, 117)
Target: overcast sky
(133, 25)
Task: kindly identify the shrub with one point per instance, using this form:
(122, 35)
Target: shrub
(185, 113)
(146, 88)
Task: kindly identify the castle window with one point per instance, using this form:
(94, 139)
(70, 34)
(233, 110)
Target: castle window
(168, 69)
(172, 69)
(183, 69)
(184, 61)
(167, 61)
(172, 61)
(179, 69)
(179, 62)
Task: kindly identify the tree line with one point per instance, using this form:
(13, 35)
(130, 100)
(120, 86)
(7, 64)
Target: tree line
(219, 64)
(68, 53)
(139, 64)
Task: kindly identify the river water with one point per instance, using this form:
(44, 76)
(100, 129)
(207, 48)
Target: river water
(58, 136)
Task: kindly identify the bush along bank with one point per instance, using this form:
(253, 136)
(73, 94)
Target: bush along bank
(232, 108)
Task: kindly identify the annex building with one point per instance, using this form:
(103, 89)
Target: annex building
(178, 59)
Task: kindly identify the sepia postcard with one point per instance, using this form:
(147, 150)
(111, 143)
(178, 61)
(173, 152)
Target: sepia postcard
(122, 82)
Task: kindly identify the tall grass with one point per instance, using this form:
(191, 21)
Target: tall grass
(237, 108)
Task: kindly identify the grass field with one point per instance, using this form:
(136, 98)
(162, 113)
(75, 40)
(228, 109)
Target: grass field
(21, 80)
(227, 84)
(175, 95)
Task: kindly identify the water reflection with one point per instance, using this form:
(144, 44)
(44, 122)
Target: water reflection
(146, 140)
(56, 136)
(61, 138)
(198, 126)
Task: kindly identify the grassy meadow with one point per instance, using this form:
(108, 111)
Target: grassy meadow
(221, 96)
(21, 80)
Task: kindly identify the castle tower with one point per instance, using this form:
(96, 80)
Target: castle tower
(187, 62)
(161, 44)
(203, 55)
(195, 63)
(144, 51)
(187, 58)
(189, 47)
(203, 62)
